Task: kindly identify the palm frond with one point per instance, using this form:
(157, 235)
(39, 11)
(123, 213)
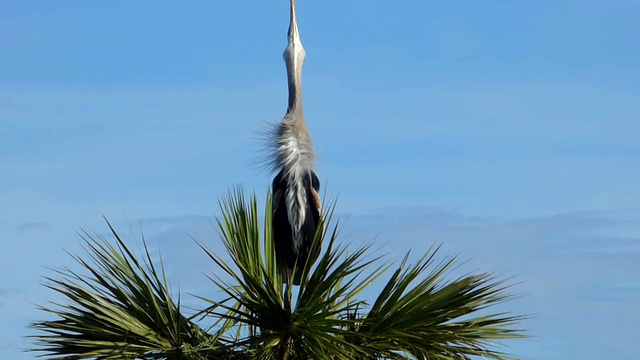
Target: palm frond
(433, 318)
(121, 309)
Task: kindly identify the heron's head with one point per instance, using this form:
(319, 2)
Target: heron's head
(294, 53)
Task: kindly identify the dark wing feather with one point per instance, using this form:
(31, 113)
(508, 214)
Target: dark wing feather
(311, 223)
(282, 232)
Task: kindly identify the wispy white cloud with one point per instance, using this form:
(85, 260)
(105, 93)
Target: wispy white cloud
(32, 226)
(614, 249)
(629, 285)
(10, 291)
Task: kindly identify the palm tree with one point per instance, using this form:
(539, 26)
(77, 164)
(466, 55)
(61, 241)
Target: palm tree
(121, 306)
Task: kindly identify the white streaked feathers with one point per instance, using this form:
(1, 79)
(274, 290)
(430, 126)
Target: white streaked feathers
(293, 145)
(294, 155)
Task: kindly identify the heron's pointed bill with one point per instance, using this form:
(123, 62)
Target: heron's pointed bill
(293, 24)
(294, 53)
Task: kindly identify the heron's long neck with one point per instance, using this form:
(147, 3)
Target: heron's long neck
(294, 145)
(295, 92)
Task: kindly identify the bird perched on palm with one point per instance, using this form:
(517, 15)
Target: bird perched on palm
(296, 205)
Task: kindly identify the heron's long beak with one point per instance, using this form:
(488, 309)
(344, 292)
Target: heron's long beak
(293, 11)
(294, 58)
(294, 35)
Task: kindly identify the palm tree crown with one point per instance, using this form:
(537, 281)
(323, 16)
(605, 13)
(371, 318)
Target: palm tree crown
(122, 308)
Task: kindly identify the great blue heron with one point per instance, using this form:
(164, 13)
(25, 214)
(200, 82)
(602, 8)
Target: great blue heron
(296, 204)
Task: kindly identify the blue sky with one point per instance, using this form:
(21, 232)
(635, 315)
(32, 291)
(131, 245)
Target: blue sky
(505, 129)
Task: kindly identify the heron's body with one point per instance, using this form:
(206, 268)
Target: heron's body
(296, 205)
(293, 243)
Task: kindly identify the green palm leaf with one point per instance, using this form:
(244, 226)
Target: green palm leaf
(121, 310)
(434, 318)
